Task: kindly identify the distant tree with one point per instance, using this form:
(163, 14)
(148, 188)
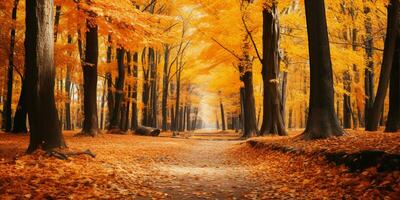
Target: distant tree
(45, 130)
(322, 120)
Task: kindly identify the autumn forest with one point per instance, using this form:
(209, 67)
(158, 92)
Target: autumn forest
(199, 99)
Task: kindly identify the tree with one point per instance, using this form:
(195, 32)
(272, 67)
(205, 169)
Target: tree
(388, 56)
(273, 120)
(120, 81)
(221, 105)
(10, 74)
(393, 121)
(322, 121)
(134, 118)
(89, 68)
(247, 93)
(45, 130)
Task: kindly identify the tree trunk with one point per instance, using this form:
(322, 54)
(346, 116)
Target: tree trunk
(21, 112)
(7, 119)
(127, 102)
(134, 118)
(369, 71)
(116, 116)
(273, 121)
(183, 119)
(178, 90)
(110, 93)
(45, 130)
(146, 88)
(393, 120)
(153, 100)
(195, 119)
(90, 122)
(222, 116)
(322, 121)
(388, 57)
(165, 88)
(347, 101)
(68, 92)
(188, 128)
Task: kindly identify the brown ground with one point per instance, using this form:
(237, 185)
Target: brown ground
(133, 167)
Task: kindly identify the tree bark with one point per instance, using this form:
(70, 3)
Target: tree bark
(90, 122)
(110, 93)
(45, 130)
(273, 121)
(322, 120)
(393, 120)
(390, 44)
(116, 116)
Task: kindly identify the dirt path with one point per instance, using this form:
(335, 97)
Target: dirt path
(206, 171)
(134, 167)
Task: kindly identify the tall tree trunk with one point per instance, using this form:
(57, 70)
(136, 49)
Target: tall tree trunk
(7, 119)
(322, 120)
(369, 71)
(68, 92)
(45, 130)
(393, 120)
(165, 88)
(273, 121)
(127, 101)
(134, 118)
(178, 91)
(153, 79)
(90, 121)
(110, 93)
(146, 87)
(116, 117)
(222, 115)
(388, 57)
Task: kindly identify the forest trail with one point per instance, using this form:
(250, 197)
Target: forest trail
(206, 170)
(202, 166)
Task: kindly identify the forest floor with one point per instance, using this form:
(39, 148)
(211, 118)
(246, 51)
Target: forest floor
(192, 166)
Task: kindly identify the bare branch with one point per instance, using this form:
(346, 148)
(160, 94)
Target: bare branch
(252, 39)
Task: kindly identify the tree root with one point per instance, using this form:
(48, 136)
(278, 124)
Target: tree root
(66, 155)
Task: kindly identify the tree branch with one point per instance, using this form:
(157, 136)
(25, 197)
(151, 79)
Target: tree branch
(252, 39)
